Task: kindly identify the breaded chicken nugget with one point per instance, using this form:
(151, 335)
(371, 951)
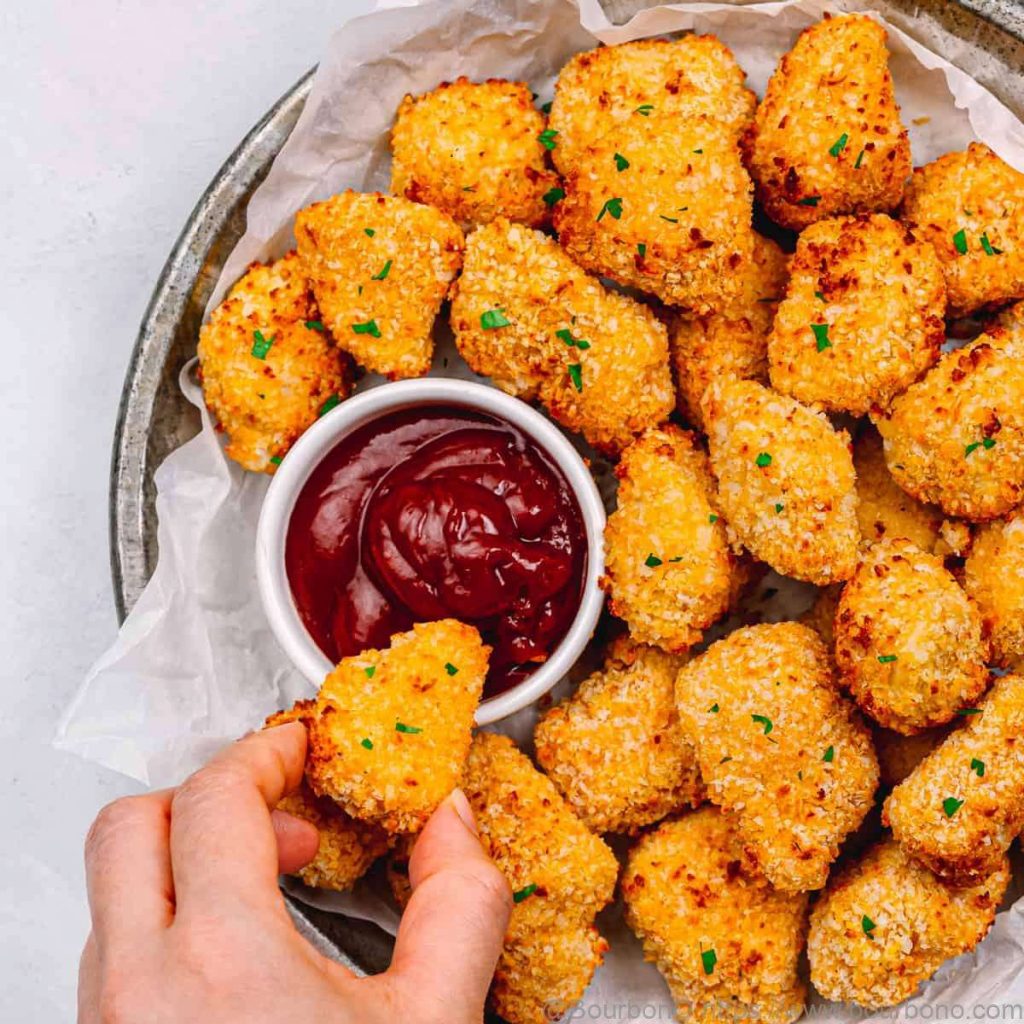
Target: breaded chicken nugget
(994, 577)
(474, 150)
(266, 364)
(863, 315)
(779, 746)
(908, 640)
(662, 204)
(827, 137)
(527, 317)
(615, 749)
(821, 616)
(785, 481)
(956, 437)
(727, 943)
(899, 755)
(692, 76)
(963, 805)
(380, 267)
(970, 206)
(735, 341)
(885, 924)
(389, 730)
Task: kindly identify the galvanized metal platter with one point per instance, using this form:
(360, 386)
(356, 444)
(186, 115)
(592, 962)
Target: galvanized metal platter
(985, 37)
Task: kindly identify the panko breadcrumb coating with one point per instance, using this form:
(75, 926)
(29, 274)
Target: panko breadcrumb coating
(908, 640)
(615, 748)
(785, 481)
(994, 577)
(778, 745)
(267, 365)
(662, 204)
(886, 924)
(727, 943)
(863, 315)
(956, 437)
(389, 730)
(821, 616)
(899, 755)
(473, 150)
(527, 317)
(970, 206)
(380, 267)
(827, 137)
(735, 341)
(962, 806)
(669, 570)
(691, 76)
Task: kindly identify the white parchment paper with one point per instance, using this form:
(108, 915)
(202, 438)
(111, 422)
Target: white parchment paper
(195, 664)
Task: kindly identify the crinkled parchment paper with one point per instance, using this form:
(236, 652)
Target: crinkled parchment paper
(195, 664)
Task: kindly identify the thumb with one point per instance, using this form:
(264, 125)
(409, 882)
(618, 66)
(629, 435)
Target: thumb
(452, 930)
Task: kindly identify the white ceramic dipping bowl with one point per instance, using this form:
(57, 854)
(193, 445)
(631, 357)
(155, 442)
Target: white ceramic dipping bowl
(319, 439)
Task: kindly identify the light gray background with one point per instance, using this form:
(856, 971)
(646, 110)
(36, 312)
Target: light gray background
(114, 115)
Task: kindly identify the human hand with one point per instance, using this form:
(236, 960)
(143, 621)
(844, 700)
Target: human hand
(188, 922)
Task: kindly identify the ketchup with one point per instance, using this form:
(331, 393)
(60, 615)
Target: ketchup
(438, 512)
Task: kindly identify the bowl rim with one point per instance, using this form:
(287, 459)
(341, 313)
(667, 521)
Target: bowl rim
(311, 448)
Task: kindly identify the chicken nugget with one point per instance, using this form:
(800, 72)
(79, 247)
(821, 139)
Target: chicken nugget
(863, 315)
(899, 755)
(885, 925)
(664, 205)
(390, 730)
(908, 640)
(994, 577)
(727, 943)
(735, 341)
(821, 616)
(691, 76)
(380, 267)
(778, 745)
(786, 483)
(527, 317)
(267, 365)
(669, 570)
(956, 437)
(475, 151)
(962, 806)
(827, 137)
(970, 206)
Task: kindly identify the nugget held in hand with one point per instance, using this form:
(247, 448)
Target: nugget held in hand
(785, 481)
(994, 577)
(827, 138)
(267, 365)
(778, 745)
(862, 316)
(727, 943)
(885, 925)
(380, 267)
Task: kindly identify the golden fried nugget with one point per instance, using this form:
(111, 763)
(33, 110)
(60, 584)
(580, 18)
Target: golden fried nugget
(956, 437)
(821, 616)
(899, 755)
(266, 364)
(970, 206)
(908, 640)
(389, 730)
(785, 481)
(692, 76)
(662, 204)
(727, 943)
(475, 151)
(827, 137)
(962, 806)
(778, 745)
(885, 925)
(380, 267)
(527, 317)
(735, 341)
(994, 577)
(615, 748)
(863, 315)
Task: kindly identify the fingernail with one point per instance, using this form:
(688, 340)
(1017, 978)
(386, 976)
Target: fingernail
(461, 807)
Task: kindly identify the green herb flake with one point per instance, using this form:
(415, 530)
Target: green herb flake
(613, 207)
(708, 959)
(810, 201)
(829, 756)
(859, 161)
(261, 344)
(763, 459)
(712, 518)
(965, 712)
(368, 327)
(990, 249)
(978, 767)
(641, 248)
(621, 163)
(678, 558)
(329, 405)
(960, 242)
(276, 460)
(821, 336)
(369, 670)
(553, 195)
(779, 506)
(492, 319)
(884, 659)
(383, 272)
(839, 145)
(315, 325)
(698, 151)
(820, 296)
(867, 925)
(369, 232)
(576, 375)
(671, 220)
(652, 561)
(951, 805)
(545, 108)
(547, 138)
(713, 709)
(402, 727)
(986, 442)
(725, 759)
(521, 894)
(644, 109)
(567, 336)
(367, 743)
(765, 721)
(450, 669)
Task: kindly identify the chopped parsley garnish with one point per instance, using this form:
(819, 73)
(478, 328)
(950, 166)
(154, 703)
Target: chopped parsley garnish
(369, 231)
(698, 151)
(763, 459)
(859, 161)
(839, 145)
(315, 325)
(964, 712)
(547, 138)
(621, 163)
(671, 220)
(492, 319)
(779, 506)
(810, 201)
(990, 249)
(724, 759)
(368, 743)
(884, 659)
(960, 242)
(985, 442)
(450, 669)
(369, 670)
(978, 767)
(708, 960)
(276, 460)
(821, 336)
(644, 109)
(383, 272)
(712, 518)
(765, 721)
(951, 805)
(829, 756)
(867, 925)
(652, 561)
(402, 727)
(553, 195)
(576, 375)
(613, 207)
(261, 344)
(369, 327)
(469, 188)
(678, 558)
(713, 709)
(641, 248)
(567, 336)
(546, 107)
(820, 296)
(329, 405)
(521, 894)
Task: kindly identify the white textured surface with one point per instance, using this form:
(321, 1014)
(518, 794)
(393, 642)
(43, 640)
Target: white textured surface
(115, 114)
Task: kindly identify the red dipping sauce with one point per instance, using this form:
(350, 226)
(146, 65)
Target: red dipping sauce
(437, 512)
